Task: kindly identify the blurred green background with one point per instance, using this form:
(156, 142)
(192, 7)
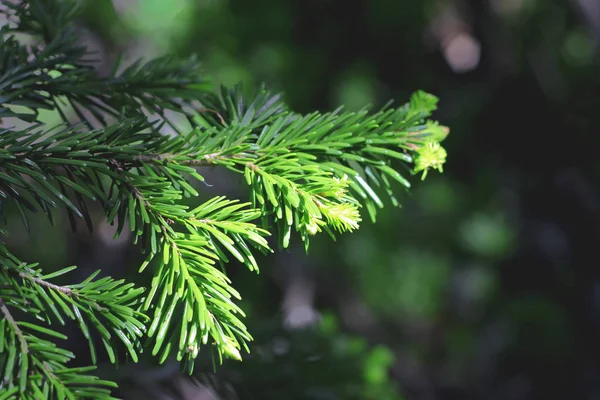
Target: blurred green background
(485, 283)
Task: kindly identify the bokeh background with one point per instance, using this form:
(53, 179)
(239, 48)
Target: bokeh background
(484, 285)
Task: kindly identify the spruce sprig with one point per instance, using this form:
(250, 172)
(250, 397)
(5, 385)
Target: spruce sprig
(305, 173)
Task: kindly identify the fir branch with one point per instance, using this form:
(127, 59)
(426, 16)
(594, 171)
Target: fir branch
(42, 370)
(306, 173)
(186, 278)
(105, 304)
(59, 77)
(326, 144)
(147, 199)
(146, 181)
(39, 17)
(40, 366)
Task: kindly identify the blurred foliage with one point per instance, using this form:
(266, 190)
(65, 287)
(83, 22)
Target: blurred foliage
(334, 365)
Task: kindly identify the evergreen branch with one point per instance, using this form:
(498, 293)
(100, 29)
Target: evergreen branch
(39, 369)
(39, 17)
(187, 282)
(59, 75)
(145, 182)
(231, 108)
(320, 146)
(305, 172)
(324, 146)
(106, 304)
(147, 199)
(150, 204)
(35, 168)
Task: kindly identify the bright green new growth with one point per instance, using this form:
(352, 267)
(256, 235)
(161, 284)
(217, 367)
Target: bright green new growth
(306, 174)
(430, 155)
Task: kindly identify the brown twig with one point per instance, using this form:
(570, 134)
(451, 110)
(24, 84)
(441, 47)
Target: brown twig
(205, 161)
(5, 311)
(65, 290)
